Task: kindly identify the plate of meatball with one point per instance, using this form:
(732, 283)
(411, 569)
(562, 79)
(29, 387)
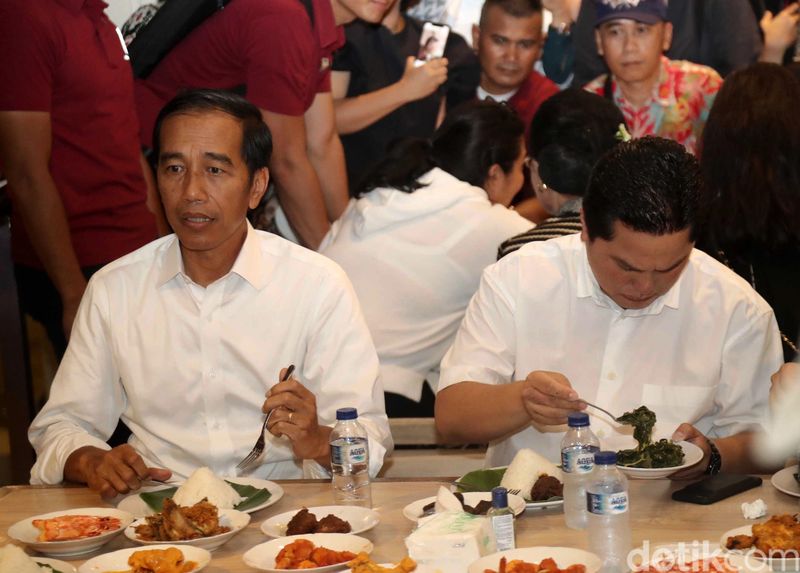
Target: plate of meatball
(322, 519)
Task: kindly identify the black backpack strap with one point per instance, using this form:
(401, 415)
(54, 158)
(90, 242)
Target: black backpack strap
(608, 88)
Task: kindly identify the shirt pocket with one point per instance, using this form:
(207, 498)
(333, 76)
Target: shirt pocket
(677, 403)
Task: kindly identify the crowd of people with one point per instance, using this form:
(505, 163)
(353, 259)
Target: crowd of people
(606, 210)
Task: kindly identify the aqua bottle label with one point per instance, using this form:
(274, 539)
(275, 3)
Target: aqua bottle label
(353, 453)
(577, 460)
(607, 503)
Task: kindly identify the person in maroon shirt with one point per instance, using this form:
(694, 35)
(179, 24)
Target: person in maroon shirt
(508, 41)
(283, 61)
(69, 147)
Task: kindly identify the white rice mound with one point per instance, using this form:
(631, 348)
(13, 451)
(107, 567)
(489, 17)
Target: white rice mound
(15, 560)
(204, 484)
(526, 467)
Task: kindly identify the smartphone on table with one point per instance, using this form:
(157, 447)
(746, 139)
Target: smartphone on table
(715, 488)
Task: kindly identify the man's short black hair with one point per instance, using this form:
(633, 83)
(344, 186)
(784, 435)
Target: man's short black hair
(515, 8)
(651, 185)
(256, 137)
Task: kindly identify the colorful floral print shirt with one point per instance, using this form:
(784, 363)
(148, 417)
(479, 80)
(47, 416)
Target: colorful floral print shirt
(678, 107)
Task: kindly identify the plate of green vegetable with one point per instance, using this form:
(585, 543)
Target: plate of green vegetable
(640, 456)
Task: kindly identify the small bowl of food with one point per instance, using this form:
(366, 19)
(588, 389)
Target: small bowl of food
(70, 531)
(315, 552)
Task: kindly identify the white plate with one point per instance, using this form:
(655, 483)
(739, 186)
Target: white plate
(360, 518)
(118, 560)
(683, 554)
(691, 455)
(753, 556)
(136, 505)
(528, 504)
(24, 532)
(413, 511)
(56, 564)
(563, 556)
(263, 556)
(236, 520)
(784, 481)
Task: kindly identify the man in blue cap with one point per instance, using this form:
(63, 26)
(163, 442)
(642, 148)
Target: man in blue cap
(657, 96)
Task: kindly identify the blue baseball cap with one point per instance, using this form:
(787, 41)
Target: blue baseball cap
(646, 11)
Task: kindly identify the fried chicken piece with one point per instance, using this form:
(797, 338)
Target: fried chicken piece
(205, 517)
(332, 524)
(546, 487)
(176, 523)
(779, 533)
(739, 542)
(302, 523)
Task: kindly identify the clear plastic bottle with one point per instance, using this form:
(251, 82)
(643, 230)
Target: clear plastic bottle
(608, 517)
(502, 519)
(350, 460)
(577, 462)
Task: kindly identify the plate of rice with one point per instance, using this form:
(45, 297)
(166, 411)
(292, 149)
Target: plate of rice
(239, 493)
(13, 558)
(539, 481)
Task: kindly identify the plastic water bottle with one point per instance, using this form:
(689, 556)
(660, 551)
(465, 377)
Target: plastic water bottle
(608, 517)
(350, 460)
(577, 462)
(502, 519)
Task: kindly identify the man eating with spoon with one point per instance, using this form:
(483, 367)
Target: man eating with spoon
(625, 314)
(182, 338)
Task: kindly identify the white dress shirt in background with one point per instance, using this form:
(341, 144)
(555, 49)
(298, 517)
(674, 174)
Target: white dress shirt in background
(415, 260)
(187, 368)
(702, 353)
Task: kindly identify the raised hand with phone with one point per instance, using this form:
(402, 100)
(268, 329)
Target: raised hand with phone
(421, 80)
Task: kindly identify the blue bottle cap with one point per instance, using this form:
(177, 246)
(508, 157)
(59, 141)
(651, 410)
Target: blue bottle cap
(605, 458)
(346, 414)
(577, 419)
(499, 497)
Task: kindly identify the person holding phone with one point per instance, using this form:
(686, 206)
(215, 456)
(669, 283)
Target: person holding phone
(383, 91)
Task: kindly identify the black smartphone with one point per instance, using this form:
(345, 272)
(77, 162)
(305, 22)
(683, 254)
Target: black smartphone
(715, 488)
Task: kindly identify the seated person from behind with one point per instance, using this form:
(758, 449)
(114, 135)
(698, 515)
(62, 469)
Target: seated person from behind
(568, 135)
(625, 314)
(427, 222)
(183, 338)
(658, 96)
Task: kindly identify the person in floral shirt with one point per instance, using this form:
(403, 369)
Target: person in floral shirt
(657, 96)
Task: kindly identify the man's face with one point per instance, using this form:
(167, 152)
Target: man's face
(632, 50)
(635, 268)
(507, 49)
(372, 11)
(204, 182)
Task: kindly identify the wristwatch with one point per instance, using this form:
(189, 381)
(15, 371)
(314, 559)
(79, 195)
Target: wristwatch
(715, 462)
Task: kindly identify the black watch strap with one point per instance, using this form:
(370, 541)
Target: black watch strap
(715, 461)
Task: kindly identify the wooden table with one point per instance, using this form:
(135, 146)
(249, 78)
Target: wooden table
(654, 516)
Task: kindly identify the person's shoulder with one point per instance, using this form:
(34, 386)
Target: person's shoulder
(693, 73)
(296, 258)
(135, 264)
(597, 85)
(714, 279)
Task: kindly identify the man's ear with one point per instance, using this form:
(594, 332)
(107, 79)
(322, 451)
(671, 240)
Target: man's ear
(598, 42)
(584, 232)
(476, 37)
(667, 36)
(258, 187)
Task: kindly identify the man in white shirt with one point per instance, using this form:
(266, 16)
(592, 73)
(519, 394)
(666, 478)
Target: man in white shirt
(183, 338)
(625, 314)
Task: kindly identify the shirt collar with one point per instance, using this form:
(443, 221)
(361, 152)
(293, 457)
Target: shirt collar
(249, 264)
(329, 34)
(586, 286)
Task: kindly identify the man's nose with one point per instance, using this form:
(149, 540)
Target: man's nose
(194, 187)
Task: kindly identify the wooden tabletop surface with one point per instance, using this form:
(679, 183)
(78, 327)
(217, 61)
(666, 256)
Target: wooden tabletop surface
(654, 516)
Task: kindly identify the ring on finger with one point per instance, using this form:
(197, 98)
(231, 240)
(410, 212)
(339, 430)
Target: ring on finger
(290, 416)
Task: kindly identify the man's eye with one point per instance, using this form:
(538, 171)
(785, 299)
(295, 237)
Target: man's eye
(527, 44)
(500, 41)
(174, 168)
(215, 171)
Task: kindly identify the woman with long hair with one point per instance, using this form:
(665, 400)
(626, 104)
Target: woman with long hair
(750, 159)
(425, 223)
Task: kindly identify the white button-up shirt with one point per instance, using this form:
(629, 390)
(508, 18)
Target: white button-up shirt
(702, 353)
(187, 368)
(415, 260)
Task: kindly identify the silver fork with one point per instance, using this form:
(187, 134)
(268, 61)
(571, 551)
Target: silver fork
(606, 412)
(258, 448)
